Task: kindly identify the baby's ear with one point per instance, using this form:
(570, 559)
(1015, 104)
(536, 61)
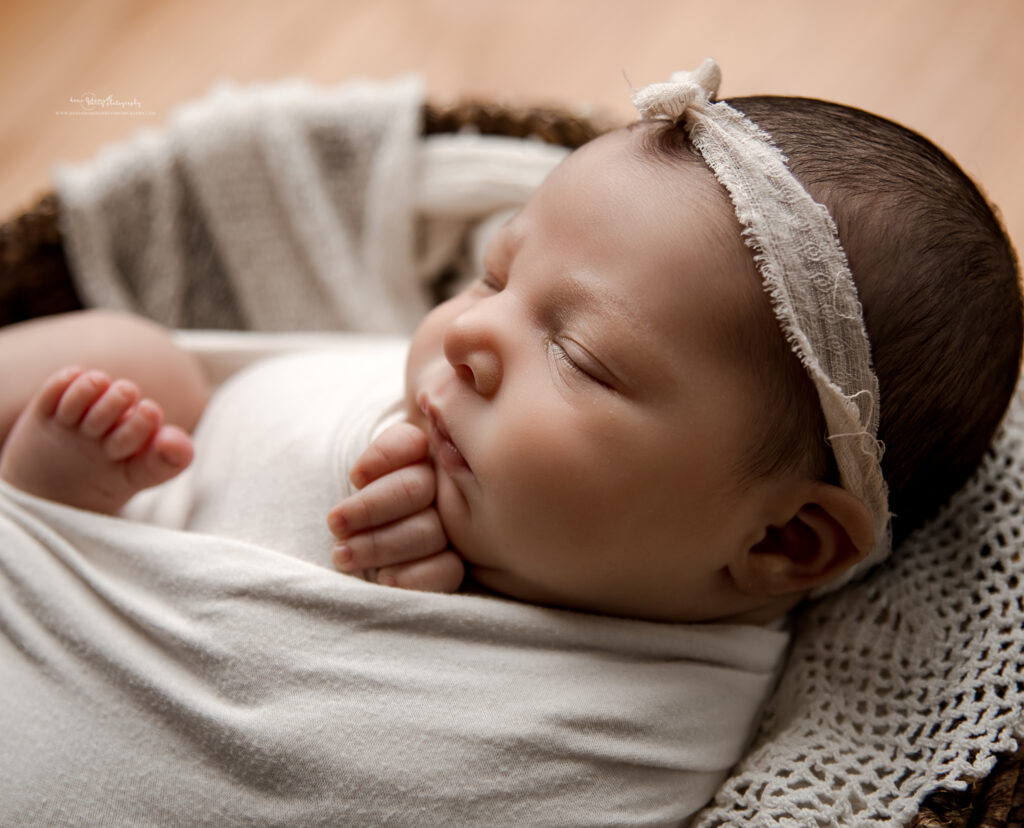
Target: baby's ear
(829, 532)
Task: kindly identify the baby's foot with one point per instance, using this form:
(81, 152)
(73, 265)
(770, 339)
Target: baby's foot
(88, 442)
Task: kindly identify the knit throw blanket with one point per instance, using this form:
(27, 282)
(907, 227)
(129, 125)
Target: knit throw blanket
(290, 207)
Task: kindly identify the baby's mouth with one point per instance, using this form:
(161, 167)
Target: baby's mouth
(445, 450)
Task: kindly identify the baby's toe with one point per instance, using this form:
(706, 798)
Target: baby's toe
(51, 391)
(170, 452)
(173, 446)
(108, 410)
(79, 397)
(133, 433)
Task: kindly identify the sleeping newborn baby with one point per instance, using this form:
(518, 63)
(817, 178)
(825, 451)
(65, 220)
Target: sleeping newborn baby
(635, 412)
(577, 423)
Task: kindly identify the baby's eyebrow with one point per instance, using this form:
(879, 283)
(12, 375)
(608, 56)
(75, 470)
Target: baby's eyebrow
(593, 294)
(629, 349)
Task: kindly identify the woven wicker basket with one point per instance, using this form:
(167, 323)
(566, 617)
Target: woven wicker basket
(35, 281)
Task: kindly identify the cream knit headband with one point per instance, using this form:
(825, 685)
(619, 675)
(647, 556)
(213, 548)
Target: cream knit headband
(805, 272)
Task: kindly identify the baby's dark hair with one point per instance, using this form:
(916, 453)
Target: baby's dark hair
(939, 284)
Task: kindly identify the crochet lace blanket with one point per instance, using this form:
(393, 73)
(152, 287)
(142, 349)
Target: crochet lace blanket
(910, 680)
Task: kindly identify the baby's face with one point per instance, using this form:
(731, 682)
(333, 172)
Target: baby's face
(585, 415)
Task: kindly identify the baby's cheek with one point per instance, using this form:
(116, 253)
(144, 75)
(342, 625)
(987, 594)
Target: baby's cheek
(547, 501)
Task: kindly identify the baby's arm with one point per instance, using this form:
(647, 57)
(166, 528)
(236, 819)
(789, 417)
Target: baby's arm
(391, 524)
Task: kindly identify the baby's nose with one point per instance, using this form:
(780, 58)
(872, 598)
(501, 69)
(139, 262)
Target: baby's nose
(473, 349)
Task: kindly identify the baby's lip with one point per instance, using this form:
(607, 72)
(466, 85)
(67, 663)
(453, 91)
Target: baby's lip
(445, 449)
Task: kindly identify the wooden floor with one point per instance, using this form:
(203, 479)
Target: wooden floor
(952, 69)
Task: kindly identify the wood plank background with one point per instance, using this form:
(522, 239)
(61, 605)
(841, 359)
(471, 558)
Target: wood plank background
(949, 68)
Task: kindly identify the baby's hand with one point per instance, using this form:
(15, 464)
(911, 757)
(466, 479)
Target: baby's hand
(391, 524)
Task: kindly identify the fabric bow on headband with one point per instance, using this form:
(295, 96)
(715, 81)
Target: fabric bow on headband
(683, 91)
(805, 273)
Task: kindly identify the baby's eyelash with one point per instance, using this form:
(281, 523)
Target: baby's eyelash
(562, 354)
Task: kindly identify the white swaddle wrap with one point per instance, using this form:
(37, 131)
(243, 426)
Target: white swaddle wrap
(276, 441)
(162, 677)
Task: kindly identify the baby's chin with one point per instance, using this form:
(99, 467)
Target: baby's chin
(491, 580)
(502, 583)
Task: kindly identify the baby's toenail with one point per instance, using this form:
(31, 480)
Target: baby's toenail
(169, 458)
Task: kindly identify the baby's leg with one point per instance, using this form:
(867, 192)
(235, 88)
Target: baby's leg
(88, 442)
(117, 343)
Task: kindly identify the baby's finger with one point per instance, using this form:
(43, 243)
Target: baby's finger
(414, 537)
(442, 572)
(399, 445)
(389, 498)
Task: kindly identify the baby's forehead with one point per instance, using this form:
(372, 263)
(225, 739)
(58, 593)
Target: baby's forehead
(710, 238)
(675, 205)
(671, 221)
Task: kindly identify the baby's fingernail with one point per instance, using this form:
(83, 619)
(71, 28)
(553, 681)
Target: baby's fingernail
(342, 556)
(357, 478)
(336, 522)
